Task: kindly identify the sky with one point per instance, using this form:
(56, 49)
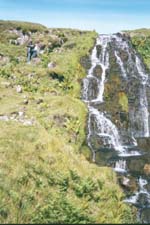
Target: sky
(104, 16)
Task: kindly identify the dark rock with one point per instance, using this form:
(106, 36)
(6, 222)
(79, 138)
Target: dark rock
(136, 165)
(144, 143)
(56, 76)
(92, 89)
(145, 215)
(86, 62)
(104, 155)
(123, 55)
(147, 169)
(147, 187)
(51, 65)
(96, 142)
(4, 60)
(98, 71)
(129, 183)
(39, 101)
(142, 199)
(98, 48)
(26, 101)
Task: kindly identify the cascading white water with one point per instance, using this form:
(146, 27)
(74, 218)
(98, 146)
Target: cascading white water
(119, 61)
(143, 98)
(134, 198)
(102, 61)
(120, 166)
(143, 114)
(86, 81)
(85, 89)
(105, 128)
(100, 128)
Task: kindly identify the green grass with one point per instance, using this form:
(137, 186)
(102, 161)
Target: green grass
(44, 176)
(19, 25)
(140, 39)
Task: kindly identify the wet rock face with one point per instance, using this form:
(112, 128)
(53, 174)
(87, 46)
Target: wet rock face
(4, 60)
(128, 183)
(96, 142)
(98, 48)
(86, 62)
(144, 143)
(98, 71)
(145, 215)
(124, 98)
(147, 186)
(119, 113)
(142, 199)
(103, 156)
(136, 165)
(123, 55)
(147, 169)
(93, 89)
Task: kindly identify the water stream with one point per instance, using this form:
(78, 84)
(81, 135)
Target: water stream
(114, 145)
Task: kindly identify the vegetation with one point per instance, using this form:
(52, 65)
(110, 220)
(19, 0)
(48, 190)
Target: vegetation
(44, 176)
(140, 39)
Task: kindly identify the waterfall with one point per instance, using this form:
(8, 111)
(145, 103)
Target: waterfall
(120, 166)
(112, 141)
(134, 68)
(102, 61)
(119, 61)
(143, 98)
(142, 191)
(106, 129)
(131, 67)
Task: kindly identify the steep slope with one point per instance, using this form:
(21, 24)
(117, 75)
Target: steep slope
(45, 178)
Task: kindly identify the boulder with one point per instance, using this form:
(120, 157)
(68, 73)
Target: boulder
(86, 62)
(98, 48)
(98, 71)
(147, 169)
(19, 89)
(145, 215)
(30, 75)
(22, 39)
(144, 143)
(51, 65)
(142, 199)
(129, 183)
(39, 101)
(4, 59)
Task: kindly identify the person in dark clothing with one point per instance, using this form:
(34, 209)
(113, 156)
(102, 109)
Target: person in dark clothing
(30, 51)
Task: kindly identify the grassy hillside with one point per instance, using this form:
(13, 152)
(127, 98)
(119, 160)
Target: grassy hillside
(44, 176)
(140, 39)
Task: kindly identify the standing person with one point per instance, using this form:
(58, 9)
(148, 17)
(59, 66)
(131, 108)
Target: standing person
(30, 49)
(35, 51)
